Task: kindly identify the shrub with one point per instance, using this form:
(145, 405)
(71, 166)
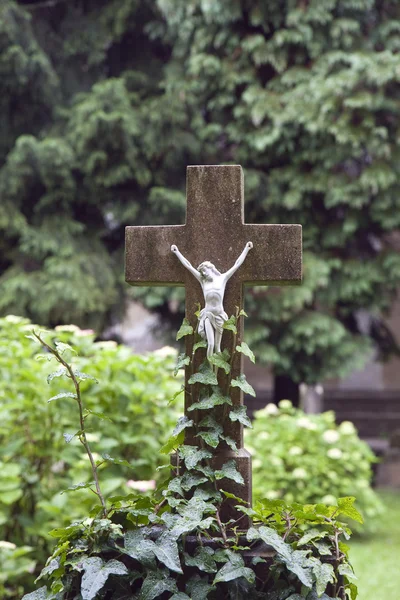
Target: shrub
(309, 458)
(40, 453)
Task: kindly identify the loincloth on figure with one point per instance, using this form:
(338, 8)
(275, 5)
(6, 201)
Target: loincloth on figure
(217, 321)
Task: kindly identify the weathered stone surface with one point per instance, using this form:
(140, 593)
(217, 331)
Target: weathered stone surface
(215, 231)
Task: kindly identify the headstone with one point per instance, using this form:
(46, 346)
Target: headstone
(215, 231)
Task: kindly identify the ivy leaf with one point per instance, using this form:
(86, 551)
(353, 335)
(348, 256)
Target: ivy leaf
(231, 443)
(166, 550)
(244, 349)
(183, 423)
(239, 414)
(190, 480)
(62, 395)
(78, 486)
(243, 384)
(230, 472)
(312, 534)
(233, 497)
(242, 313)
(206, 376)
(193, 455)
(68, 437)
(172, 443)
(271, 538)
(216, 399)
(96, 574)
(219, 359)
(203, 559)
(180, 596)
(211, 438)
(61, 372)
(347, 509)
(182, 361)
(324, 574)
(139, 548)
(185, 329)
(174, 397)
(42, 593)
(155, 584)
(201, 344)
(198, 587)
(234, 569)
(230, 324)
(347, 570)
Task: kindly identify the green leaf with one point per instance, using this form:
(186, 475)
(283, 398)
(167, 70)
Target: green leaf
(172, 443)
(234, 569)
(166, 550)
(242, 313)
(203, 559)
(180, 596)
(233, 497)
(216, 399)
(155, 584)
(190, 479)
(68, 437)
(231, 443)
(230, 324)
(61, 372)
(230, 472)
(78, 486)
(206, 377)
(183, 423)
(201, 344)
(193, 455)
(96, 573)
(84, 376)
(238, 413)
(211, 438)
(244, 349)
(347, 570)
(99, 415)
(199, 587)
(41, 594)
(116, 461)
(62, 347)
(312, 534)
(185, 329)
(182, 361)
(219, 359)
(347, 509)
(243, 384)
(174, 397)
(324, 574)
(62, 395)
(270, 537)
(139, 548)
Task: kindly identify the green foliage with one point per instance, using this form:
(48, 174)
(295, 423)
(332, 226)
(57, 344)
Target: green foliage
(126, 415)
(310, 459)
(304, 95)
(177, 541)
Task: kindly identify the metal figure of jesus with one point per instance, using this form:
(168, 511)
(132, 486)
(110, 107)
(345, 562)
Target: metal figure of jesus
(213, 283)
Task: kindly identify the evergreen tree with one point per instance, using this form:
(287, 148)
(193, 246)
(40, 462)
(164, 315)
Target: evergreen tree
(107, 102)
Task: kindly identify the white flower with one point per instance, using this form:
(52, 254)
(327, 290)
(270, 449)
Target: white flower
(142, 486)
(271, 409)
(335, 453)
(71, 328)
(330, 436)
(165, 351)
(295, 451)
(300, 473)
(306, 423)
(10, 545)
(263, 435)
(276, 461)
(272, 495)
(347, 428)
(285, 404)
(257, 463)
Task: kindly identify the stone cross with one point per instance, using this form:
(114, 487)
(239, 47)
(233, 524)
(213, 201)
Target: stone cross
(215, 231)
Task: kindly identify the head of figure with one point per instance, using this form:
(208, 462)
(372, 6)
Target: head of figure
(207, 270)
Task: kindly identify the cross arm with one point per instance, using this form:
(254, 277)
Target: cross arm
(148, 256)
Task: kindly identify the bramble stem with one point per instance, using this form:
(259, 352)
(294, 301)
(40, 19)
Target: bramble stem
(82, 433)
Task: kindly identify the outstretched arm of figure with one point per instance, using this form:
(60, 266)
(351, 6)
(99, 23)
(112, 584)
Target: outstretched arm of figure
(239, 261)
(185, 262)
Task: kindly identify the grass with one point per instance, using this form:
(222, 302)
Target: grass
(376, 558)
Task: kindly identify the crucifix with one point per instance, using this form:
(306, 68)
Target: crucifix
(215, 232)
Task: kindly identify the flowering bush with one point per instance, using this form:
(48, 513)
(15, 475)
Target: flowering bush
(309, 459)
